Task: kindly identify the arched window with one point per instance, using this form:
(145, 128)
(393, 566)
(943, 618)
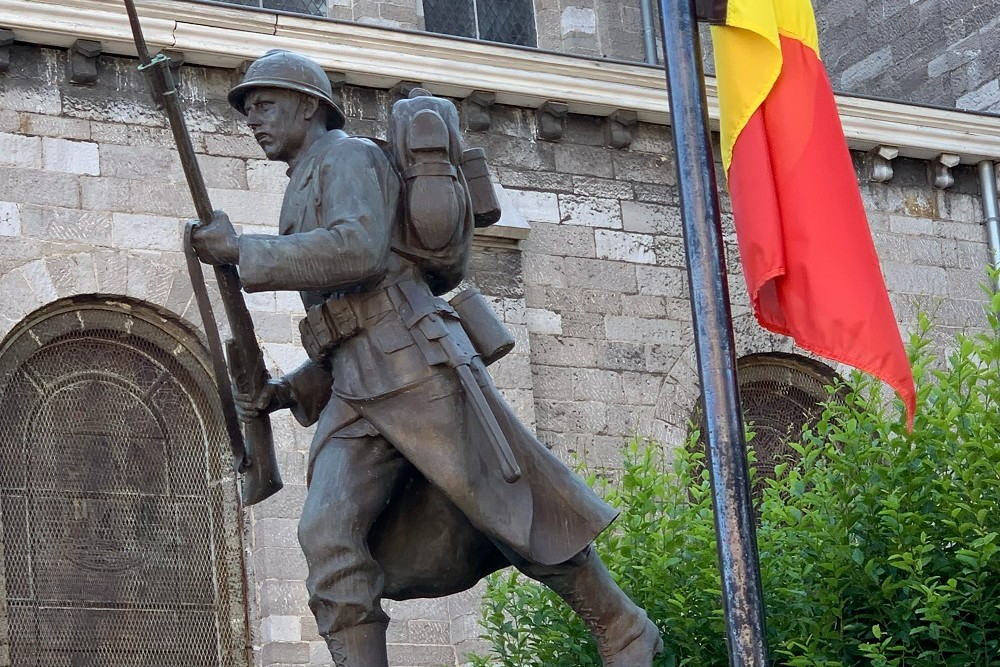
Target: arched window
(121, 534)
(780, 394)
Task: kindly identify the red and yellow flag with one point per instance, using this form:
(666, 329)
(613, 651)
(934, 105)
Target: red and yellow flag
(808, 256)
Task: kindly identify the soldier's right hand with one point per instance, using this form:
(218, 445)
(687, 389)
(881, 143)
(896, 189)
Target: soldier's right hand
(217, 242)
(274, 395)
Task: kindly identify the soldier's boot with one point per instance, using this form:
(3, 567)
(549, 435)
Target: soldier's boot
(625, 635)
(359, 646)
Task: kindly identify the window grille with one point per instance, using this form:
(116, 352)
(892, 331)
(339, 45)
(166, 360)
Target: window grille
(779, 394)
(506, 21)
(119, 520)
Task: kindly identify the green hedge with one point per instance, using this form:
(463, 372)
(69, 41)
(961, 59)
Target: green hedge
(878, 548)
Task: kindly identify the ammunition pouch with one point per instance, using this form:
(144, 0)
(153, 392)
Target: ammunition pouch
(326, 326)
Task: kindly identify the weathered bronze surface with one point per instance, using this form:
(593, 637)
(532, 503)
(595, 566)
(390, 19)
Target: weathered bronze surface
(421, 478)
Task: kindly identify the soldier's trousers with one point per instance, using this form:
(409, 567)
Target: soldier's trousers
(352, 482)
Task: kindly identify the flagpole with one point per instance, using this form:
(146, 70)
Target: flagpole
(742, 599)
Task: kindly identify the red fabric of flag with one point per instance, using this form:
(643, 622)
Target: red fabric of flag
(807, 252)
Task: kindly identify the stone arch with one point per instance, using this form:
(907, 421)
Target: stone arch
(120, 527)
(780, 393)
(69, 271)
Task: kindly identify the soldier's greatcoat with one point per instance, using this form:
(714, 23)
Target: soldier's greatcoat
(454, 518)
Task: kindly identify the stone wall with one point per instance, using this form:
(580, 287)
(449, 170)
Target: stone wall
(407, 14)
(940, 52)
(591, 28)
(92, 200)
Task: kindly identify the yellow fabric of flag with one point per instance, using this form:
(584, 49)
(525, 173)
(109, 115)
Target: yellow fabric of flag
(748, 57)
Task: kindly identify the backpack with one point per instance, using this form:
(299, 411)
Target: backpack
(440, 208)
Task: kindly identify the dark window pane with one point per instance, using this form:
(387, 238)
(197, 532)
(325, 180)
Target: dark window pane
(508, 21)
(313, 7)
(450, 17)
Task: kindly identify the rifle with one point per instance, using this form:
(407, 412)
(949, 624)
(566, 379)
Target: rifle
(253, 456)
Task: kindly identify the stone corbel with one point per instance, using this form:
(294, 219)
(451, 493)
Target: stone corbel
(176, 60)
(6, 39)
(618, 128)
(552, 120)
(337, 82)
(880, 162)
(477, 110)
(402, 90)
(83, 56)
(943, 164)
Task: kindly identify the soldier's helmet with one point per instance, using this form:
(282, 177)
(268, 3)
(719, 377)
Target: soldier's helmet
(292, 71)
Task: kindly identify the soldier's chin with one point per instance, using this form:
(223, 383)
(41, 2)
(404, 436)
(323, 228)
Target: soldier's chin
(272, 151)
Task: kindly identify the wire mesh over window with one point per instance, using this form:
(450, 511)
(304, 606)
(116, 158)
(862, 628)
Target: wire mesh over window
(507, 21)
(121, 535)
(311, 7)
(780, 394)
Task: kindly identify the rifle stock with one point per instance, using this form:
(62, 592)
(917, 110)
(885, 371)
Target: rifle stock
(253, 451)
(262, 478)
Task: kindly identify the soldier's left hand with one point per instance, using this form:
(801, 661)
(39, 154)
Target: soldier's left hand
(217, 243)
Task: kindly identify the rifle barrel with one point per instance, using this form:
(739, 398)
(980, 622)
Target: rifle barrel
(254, 455)
(140, 39)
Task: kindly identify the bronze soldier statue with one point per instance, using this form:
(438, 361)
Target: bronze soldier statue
(409, 493)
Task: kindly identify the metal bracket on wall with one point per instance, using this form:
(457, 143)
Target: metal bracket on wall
(618, 128)
(6, 39)
(943, 164)
(175, 60)
(552, 120)
(477, 110)
(880, 162)
(83, 58)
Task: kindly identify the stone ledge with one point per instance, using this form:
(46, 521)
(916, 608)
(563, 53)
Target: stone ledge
(212, 34)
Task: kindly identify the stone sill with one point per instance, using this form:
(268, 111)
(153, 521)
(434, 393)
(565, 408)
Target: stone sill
(377, 57)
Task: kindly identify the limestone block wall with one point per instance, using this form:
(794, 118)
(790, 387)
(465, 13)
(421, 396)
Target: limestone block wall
(387, 13)
(931, 52)
(606, 289)
(92, 200)
(596, 28)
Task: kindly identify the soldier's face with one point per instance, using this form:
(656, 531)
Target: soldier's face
(278, 121)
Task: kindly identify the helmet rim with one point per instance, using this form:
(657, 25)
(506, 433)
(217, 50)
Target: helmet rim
(273, 77)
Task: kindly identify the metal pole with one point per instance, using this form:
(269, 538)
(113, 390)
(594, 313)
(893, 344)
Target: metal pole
(734, 524)
(648, 31)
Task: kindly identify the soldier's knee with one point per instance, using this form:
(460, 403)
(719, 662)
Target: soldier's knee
(327, 529)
